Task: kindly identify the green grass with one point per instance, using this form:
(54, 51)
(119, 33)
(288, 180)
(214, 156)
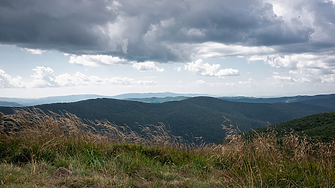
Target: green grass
(29, 156)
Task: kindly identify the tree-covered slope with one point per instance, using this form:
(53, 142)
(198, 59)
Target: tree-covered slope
(194, 117)
(329, 102)
(271, 113)
(320, 126)
(309, 106)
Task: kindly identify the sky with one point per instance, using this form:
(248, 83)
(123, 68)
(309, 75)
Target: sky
(218, 47)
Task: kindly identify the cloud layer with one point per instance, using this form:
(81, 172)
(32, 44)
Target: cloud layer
(206, 69)
(168, 30)
(44, 77)
(301, 67)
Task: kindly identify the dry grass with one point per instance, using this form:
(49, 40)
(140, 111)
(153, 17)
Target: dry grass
(33, 144)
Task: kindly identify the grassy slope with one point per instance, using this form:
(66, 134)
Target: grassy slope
(30, 158)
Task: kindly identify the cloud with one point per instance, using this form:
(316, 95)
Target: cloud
(249, 81)
(35, 51)
(6, 81)
(147, 66)
(304, 67)
(206, 69)
(178, 69)
(81, 79)
(96, 60)
(44, 77)
(283, 78)
(168, 30)
(200, 82)
(214, 49)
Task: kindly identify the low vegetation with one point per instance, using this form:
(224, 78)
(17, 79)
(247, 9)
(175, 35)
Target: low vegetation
(34, 144)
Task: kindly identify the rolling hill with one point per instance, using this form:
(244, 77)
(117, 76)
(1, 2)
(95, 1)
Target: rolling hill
(193, 117)
(318, 126)
(291, 99)
(11, 104)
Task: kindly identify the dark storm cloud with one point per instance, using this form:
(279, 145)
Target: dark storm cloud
(143, 30)
(321, 37)
(62, 25)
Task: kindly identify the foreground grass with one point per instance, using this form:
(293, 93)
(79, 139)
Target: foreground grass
(33, 145)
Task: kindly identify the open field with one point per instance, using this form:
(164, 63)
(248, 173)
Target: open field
(34, 144)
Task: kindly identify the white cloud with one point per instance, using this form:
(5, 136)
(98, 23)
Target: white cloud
(74, 80)
(82, 79)
(318, 61)
(206, 69)
(6, 81)
(200, 82)
(330, 78)
(35, 51)
(96, 60)
(147, 66)
(301, 67)
(178, 69)
(257, 58)
(43, 77)
(283, 78)
(249, 81)
(213, 49)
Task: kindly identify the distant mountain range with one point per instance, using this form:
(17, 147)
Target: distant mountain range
(46, 100)
(155, 95)
(318, 100)
(191, 117)
(12, 104)
(278, 99)
(143, 97)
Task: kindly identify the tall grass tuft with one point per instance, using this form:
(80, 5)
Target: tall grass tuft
(33, 144)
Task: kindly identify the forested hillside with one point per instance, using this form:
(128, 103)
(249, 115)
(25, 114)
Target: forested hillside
(320, 126)
(194, 117)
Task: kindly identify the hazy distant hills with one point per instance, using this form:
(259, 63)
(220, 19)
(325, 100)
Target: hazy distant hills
(167, 95)
(11, 104)
(319, 100)
(142, 97)
(279, 99)
(198, 116)
(47, 100)
(158, 99)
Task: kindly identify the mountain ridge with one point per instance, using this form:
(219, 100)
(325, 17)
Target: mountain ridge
(195, 117)
(168, 96)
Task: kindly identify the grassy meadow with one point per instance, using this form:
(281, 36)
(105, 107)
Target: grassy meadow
(34, 144)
